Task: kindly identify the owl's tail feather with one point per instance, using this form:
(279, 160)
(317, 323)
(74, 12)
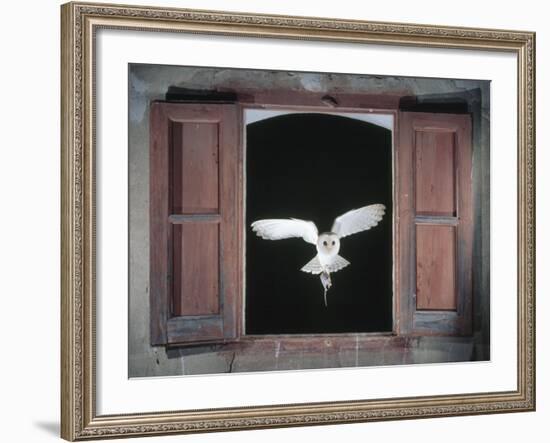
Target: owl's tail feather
(313, 266)
(338, 263)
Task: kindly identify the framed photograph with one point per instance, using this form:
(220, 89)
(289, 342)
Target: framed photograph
(279, 221)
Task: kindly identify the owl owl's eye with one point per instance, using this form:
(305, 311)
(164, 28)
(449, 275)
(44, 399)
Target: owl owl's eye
(325, 243)
(333, 242)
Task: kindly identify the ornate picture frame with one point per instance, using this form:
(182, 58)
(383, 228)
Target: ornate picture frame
(80, 23)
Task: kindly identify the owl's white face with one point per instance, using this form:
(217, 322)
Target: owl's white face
(328, 243)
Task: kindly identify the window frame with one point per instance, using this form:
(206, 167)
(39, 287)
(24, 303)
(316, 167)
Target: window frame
(351, 108)
(402, 310)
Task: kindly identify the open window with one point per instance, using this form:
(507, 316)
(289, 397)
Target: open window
(317, 166)
(212, 281)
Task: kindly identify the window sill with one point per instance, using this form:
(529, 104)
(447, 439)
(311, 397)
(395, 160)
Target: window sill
(327, 351)
(320, 342)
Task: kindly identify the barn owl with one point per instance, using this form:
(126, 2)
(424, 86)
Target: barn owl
(327, 259)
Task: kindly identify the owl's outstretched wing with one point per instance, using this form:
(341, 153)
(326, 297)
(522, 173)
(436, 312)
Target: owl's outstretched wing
(277, 229)
(358, 220)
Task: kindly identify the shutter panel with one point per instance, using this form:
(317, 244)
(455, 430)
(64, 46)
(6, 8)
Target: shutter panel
(435, 223)
(194, 218)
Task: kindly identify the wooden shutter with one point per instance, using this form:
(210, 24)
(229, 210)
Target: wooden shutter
(194, 219)
(435, 223)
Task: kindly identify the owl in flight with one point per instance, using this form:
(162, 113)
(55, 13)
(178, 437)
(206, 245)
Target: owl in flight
(327, 259)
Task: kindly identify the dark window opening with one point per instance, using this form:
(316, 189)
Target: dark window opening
(317, 167)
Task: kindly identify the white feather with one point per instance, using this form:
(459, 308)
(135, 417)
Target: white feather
(338, 263)
(313, 266)
(277, 229)
(358, 220)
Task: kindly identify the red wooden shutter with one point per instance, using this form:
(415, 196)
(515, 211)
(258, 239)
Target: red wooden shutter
(194, 222)
(435, 207)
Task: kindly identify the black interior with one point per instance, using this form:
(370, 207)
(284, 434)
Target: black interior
(316, 167)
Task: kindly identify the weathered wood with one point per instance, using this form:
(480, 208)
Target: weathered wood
(201, 329)
(195, 269)
(407, 319)
(435, 220)
(231, 208)
(435, 173)
(176, 219)
(465, 229)
(435, 267)
(438, 323)
(404, 191)
(335, 343)
(323, 342)
(159, 293)
(320, 101)
(195, 219)
(430, 207)
(194, 171)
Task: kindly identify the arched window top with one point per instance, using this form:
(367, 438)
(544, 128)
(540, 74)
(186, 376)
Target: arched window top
(378, 119)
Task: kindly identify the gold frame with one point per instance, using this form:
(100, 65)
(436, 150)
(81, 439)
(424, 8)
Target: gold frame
(79, 22)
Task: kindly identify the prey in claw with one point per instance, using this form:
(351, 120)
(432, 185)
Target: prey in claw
(325, 280)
